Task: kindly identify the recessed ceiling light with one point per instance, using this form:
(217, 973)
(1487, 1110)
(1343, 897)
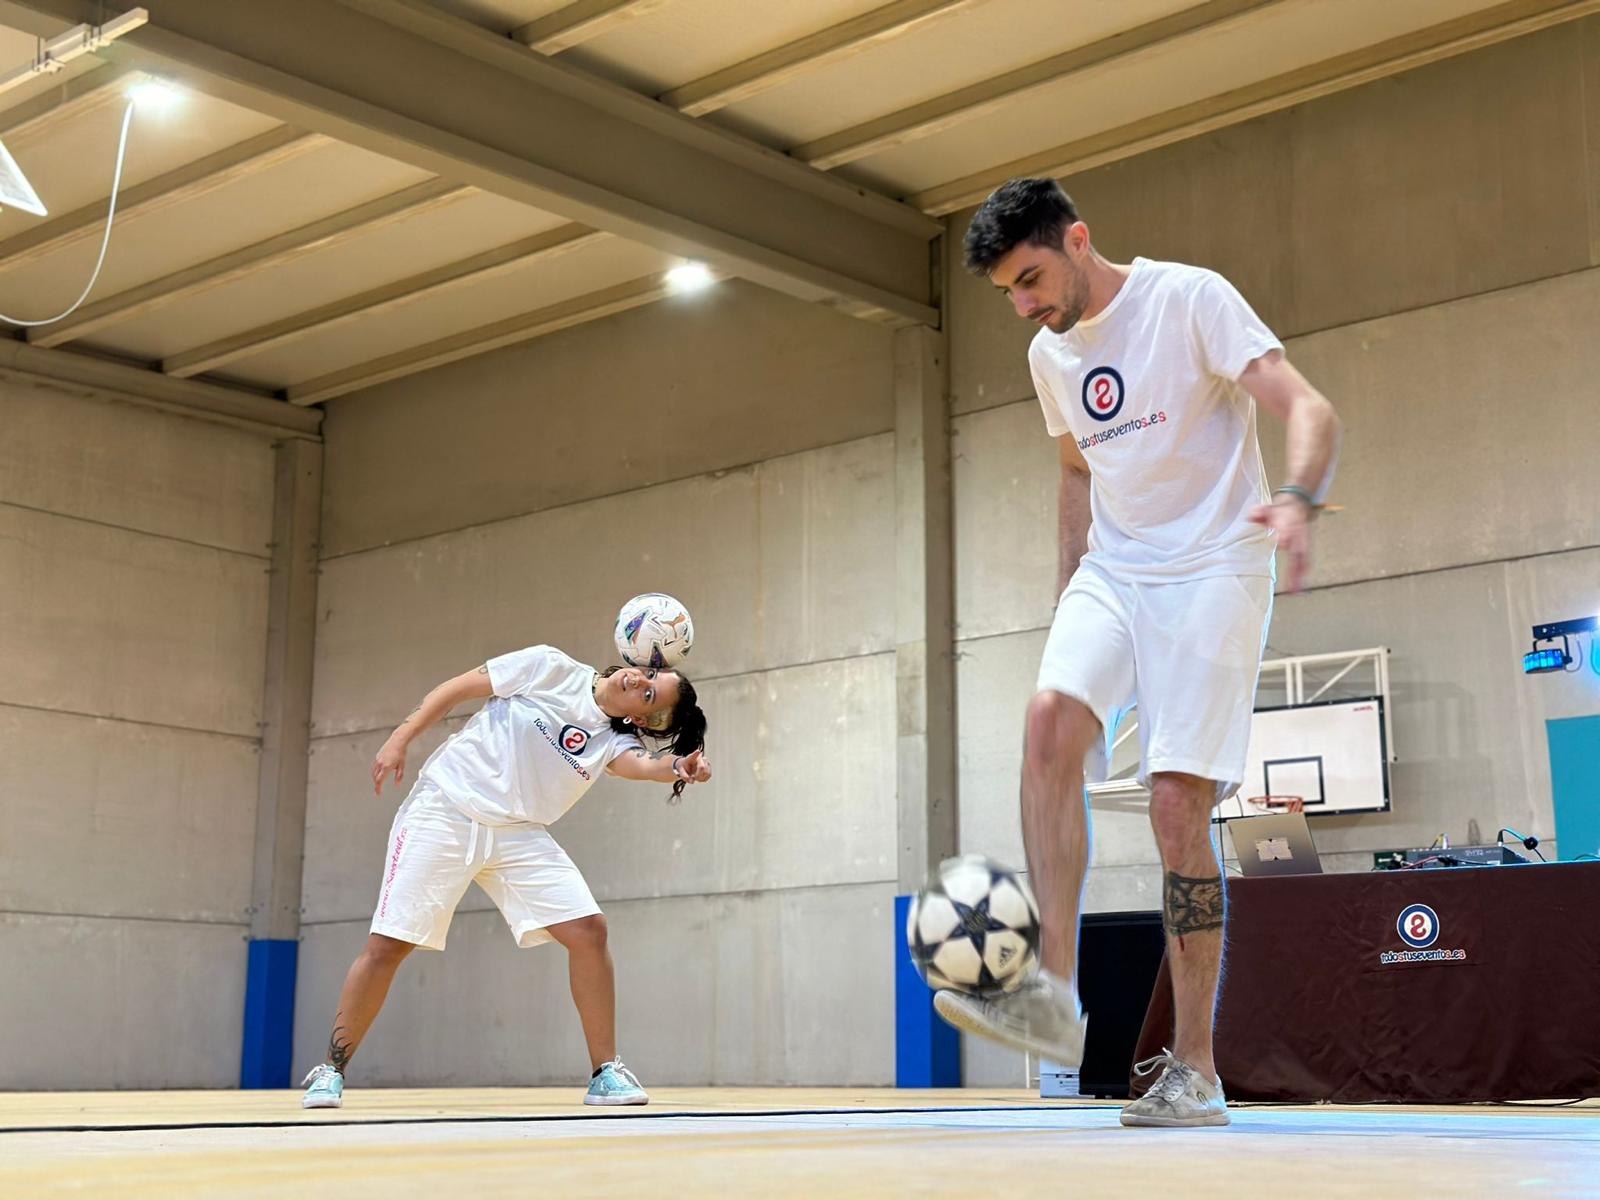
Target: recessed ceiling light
(154, 94)
(690, 277)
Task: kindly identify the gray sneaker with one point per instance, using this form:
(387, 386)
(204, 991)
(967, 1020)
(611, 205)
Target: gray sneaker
(1180, 1098)
(1041, 1017)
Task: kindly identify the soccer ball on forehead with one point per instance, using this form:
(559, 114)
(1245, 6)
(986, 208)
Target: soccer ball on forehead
(654, 630)
(974, 928)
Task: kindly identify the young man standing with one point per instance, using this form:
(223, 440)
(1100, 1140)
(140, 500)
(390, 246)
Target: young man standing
(1149, 374)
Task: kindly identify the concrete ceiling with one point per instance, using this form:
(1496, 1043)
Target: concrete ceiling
(352, 190)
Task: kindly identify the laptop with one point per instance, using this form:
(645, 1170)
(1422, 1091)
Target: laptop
(1277, 844)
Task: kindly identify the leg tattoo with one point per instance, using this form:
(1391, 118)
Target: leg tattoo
(1193, 904)
(339, 1048)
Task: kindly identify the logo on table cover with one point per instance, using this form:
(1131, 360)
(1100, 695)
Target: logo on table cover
(1103, 393)
(1418, 926)
(573, 739)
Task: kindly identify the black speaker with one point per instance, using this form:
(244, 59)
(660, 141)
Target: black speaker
(1118, 957)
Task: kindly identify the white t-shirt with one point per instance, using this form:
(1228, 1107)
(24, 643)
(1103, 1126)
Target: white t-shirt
(535, 748)
(1149, 390)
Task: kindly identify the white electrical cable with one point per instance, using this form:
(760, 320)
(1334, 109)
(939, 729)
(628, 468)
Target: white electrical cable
(111, 214)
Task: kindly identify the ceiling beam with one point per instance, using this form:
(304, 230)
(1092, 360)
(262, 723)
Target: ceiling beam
(175, 187)
(1473, 32)
(580, 22)
(239, 264)
(833, 44)
(540, 247)
(520, 328)
(87, 374)
(597, 154)
(943, 112)
(78, 96)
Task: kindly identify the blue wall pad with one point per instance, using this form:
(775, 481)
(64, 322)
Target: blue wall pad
(269, 1014)
(1575, 783)
(927, 1052)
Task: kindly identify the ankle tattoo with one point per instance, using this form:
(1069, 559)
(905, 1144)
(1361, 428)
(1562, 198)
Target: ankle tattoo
(339, 1048)
(1193, 904)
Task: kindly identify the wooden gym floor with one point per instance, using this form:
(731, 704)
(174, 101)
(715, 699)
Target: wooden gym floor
(773, 1144)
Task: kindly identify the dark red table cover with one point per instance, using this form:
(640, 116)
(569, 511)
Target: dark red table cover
(1315, 1006)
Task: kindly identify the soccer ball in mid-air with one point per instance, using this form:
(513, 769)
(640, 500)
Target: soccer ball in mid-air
(974, 928)
(654, 630)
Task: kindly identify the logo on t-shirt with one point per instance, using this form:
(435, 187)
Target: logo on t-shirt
(573, 739)
(1102, 393)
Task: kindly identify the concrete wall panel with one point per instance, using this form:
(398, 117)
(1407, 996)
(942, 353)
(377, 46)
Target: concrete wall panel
(83, 456)
(790, 561)
(776, 987)
(120, 1004)
(94, 620)
(804, 795)
(733, 376)
(133, 607)
(1005, 494)
(1405, 190)
(1209, 200)
(1457, 420)
(1461, 177)
(112, 818)
(1591, 123)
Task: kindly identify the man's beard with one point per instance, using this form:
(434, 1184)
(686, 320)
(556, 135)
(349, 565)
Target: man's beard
(1070, 311)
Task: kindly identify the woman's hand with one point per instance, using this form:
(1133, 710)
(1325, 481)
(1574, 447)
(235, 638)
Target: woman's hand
(390, 759)
(693, 768)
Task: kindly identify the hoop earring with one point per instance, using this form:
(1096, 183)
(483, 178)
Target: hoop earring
(627, 720)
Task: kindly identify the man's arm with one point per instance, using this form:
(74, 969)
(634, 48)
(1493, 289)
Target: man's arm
(435, 706)
(1314, 433)
(1074, 504)
(661, 768)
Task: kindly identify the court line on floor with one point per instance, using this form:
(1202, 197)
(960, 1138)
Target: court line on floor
(507, 1118)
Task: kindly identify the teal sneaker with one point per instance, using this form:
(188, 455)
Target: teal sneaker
(324, 1088)
(615, 1084)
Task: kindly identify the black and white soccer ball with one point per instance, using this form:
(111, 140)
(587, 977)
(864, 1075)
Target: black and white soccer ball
(974, 928)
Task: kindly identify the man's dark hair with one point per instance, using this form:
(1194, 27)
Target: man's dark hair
(1036, 211)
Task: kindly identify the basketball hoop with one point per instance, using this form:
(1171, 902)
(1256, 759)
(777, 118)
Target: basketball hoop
(1266, 804)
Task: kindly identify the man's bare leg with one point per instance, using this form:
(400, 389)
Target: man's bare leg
(1042, 1016)
(1193, 909)
(1055, 821)
(366, 985)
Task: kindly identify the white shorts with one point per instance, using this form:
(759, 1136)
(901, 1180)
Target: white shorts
(436, 851)
(1187, 654)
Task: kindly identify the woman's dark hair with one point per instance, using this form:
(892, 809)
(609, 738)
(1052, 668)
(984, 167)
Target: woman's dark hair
(1036, 211)
(684, 732)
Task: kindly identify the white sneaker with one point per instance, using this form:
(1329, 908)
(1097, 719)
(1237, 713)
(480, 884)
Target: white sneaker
(1042, 1017)
(1180, 1098)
